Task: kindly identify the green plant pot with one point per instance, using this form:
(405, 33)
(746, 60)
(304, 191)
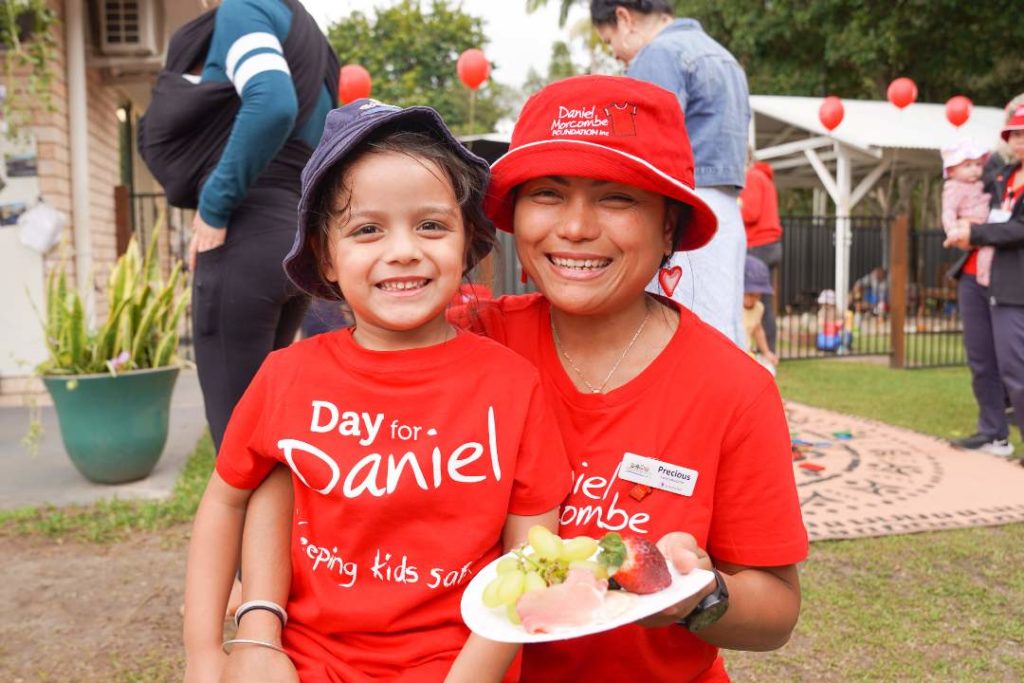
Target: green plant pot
(114, 428)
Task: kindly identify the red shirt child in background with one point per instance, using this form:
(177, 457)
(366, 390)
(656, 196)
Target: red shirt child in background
(417, 453)
(759, 204)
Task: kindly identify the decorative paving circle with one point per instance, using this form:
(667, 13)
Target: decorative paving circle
(857, 477)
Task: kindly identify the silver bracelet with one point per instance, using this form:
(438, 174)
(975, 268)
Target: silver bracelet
(261, 604)
(250, 641)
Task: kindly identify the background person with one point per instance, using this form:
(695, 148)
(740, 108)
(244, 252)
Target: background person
(232, 141)
(757, 283)
(759, 205)
(711, 89)
(993, 316)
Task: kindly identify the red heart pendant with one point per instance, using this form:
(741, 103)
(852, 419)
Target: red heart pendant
(668, 278)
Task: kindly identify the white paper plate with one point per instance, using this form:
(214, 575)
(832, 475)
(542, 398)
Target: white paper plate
(494, 625)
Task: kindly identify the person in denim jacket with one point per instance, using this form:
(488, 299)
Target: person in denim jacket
(712, 91)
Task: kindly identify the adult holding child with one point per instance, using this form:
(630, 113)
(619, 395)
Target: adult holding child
(993, 312)
(712, 91)
(597, 204)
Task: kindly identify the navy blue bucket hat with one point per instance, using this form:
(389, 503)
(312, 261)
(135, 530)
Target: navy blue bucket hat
(345, 130)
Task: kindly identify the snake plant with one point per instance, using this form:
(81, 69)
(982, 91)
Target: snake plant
(141, 327)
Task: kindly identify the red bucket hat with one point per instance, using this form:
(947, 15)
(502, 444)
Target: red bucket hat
(1016, 122)
(608, 128)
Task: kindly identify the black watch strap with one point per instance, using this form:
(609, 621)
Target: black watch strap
(711, 608)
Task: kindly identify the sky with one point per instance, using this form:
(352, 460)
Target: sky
(506, 23)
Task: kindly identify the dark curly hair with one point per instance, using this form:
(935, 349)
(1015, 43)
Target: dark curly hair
(467, 180)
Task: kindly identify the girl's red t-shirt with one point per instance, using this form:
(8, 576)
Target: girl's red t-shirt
(405, 467)
(703, 404)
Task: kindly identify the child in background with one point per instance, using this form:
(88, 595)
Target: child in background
(964, 200)
(418, 453)
(757, 282)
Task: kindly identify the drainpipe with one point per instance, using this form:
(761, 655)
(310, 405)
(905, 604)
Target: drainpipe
(78, 128)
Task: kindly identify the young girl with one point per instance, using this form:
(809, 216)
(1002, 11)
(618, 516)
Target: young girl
(964, 200)
(394, 430)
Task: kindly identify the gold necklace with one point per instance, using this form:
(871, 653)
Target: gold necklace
(622, 356)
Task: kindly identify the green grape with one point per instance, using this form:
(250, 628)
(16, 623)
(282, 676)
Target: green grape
(579, 548)
(535, 582)
(512, 614)
(507, 564)
(490, 597)
(510, 587)
(598, 570)
(547, 545)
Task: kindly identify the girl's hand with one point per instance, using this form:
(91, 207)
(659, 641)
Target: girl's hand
(682, 551)
(255, 663)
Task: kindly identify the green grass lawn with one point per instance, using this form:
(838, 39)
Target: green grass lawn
(943, 606)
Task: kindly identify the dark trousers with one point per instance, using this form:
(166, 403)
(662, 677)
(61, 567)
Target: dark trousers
(994, 342)
(771, 256)
(243, 304)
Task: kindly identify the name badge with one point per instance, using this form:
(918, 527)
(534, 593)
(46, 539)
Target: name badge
(998, 216)
(657, 474)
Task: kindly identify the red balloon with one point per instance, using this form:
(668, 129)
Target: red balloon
(353, 83)
(902, 92)
(473, 68)
(958, 110)
(831, 112)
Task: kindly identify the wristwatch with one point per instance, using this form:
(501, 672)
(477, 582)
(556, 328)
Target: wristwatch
(710, 609)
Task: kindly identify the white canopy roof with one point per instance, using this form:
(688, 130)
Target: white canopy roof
(871, 131)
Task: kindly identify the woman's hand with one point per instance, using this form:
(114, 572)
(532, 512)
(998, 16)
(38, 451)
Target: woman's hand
(204, 238)
(682, 551)
(256, 663)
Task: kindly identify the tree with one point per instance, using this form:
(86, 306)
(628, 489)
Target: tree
(411, 57)
(854, 48)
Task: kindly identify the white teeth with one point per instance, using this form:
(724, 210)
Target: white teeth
(402, 285)
(580, 264)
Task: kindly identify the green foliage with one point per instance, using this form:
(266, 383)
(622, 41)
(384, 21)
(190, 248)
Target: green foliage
(27, 57)
(854, 48)
(141, 328)
(561, 66)
(411, 56)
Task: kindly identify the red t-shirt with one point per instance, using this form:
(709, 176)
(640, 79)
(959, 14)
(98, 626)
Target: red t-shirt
(703, 404)
(405, 466)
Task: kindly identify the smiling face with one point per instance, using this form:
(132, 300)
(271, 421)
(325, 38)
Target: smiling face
(590, 245)
(397, 250)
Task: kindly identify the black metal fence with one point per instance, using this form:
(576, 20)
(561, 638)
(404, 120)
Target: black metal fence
(809, 323)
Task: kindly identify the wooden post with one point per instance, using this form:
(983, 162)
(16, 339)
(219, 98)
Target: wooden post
(899, 236)
(122, 217)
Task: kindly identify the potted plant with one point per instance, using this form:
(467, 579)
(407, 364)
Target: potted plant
(28, 52)
(112, 386)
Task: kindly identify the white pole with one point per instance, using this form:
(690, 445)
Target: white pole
(79, 137)
(843, 235)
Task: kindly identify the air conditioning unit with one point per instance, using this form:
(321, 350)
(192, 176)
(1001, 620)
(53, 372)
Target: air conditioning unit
(128, 27)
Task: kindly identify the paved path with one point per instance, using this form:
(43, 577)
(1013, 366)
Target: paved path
(50, 478)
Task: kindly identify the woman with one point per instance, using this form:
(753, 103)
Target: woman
(993, 316)
(712, 91)
(598, 190)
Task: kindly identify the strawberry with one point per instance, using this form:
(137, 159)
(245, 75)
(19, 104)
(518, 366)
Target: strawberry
(636, 564)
